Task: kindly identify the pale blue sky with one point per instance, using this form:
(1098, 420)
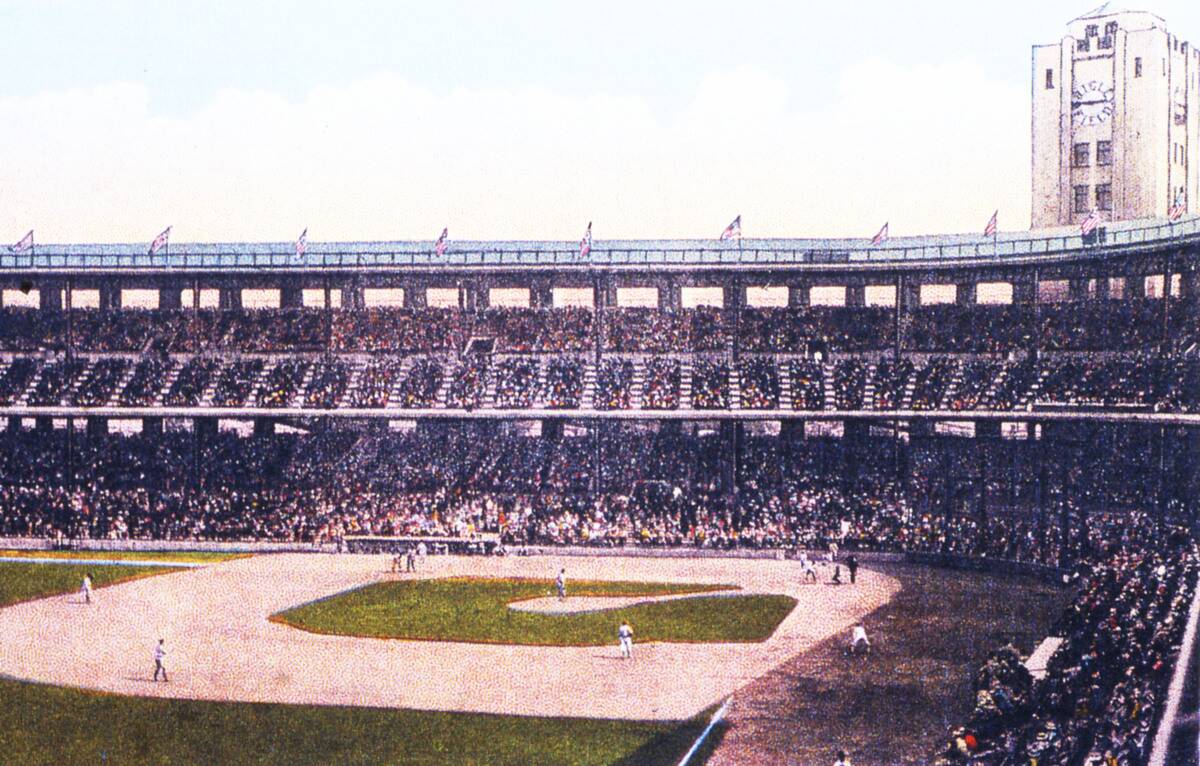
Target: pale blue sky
(504, 120)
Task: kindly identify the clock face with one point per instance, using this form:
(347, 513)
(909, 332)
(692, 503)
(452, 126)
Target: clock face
(1091, 103)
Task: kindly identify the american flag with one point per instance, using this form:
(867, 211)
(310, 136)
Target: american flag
(160, 241)
(1091, 222)
(1173, 214)
(880, 236)
(990, 229)
(302, 243)
(26, 243)
(440, 246)
(733, 230)
(585, 244)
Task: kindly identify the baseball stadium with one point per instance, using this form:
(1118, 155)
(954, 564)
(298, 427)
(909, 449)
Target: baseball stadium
(875, 500)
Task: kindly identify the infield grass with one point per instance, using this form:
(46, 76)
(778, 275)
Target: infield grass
(23, 582)
(54, 725)
(476, 610)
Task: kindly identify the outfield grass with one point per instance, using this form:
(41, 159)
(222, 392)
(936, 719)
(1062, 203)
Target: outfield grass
(476, 610)
(52, 725)
(24, 582)
(184, 557)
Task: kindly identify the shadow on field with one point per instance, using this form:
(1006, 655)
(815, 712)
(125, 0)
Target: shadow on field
(895, 705)
(666, 749)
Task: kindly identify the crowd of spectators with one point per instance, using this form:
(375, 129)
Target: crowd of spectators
(399, 330)
(932, 383)
(468, 383)
(1083, 325)
(236, 381)
(660, 389)
(662, 487)
(56, 381)
(419, 387)
(832, 328)
(282, 383)
(192, 381)
(759, 383)
(808, 384)
(980, 329)
(375, 382)
(850, 384)
(614, 385)
(101, 383)
(146, 383)
(1106, 682)
(328, 384)
(1141, 381)
(653, 331)
(564, 383)
(891, 380)
(710, 385)
(516, 382)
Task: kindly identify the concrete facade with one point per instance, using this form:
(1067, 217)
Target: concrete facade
(1115, 125)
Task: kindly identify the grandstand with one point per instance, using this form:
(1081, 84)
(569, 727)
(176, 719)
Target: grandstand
(1028, 398)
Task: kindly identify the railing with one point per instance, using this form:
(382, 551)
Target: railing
(1113, 239)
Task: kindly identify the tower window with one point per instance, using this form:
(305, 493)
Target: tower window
(1049, 79)
(1082, 155)
(1110, 28)
(1092, 30)
(1104, 197)
(1137, 67)
(1104, 152)
(1081, 199)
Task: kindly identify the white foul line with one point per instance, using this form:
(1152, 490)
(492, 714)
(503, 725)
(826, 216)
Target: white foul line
(717, 716)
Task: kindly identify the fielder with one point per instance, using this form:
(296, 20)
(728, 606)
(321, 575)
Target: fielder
(810, 569)
(625, 638)
(86, 588)
(160, 654)
(859, 641)
(560, 582)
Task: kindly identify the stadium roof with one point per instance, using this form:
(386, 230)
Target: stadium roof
(1117, 236)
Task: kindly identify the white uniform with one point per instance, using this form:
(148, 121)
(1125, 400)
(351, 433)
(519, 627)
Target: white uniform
(859, 638)
(86, 589)
(625, 636)
(160, 657)
(810, 570)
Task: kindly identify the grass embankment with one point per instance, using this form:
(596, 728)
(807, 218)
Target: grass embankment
(183, 557)
(50, 725)
(476, 610)
(24, 582)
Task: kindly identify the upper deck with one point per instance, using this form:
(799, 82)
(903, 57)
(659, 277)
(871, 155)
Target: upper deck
(1117, 239)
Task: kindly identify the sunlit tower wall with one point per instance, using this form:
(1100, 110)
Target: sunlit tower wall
(1115, 124)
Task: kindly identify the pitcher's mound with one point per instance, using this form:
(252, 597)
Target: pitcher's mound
(586, 604)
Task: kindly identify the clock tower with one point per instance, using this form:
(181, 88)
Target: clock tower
(1115, 123)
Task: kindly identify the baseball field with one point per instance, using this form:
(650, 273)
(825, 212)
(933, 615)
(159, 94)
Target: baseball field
(320, 659)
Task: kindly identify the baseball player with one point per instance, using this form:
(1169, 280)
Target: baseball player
(561, 583)
(625, 637)
(810, 569)
(160, 654)
(86, 588)
(858, 640)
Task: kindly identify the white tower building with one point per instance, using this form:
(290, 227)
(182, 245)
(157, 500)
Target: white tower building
(1115, 120)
